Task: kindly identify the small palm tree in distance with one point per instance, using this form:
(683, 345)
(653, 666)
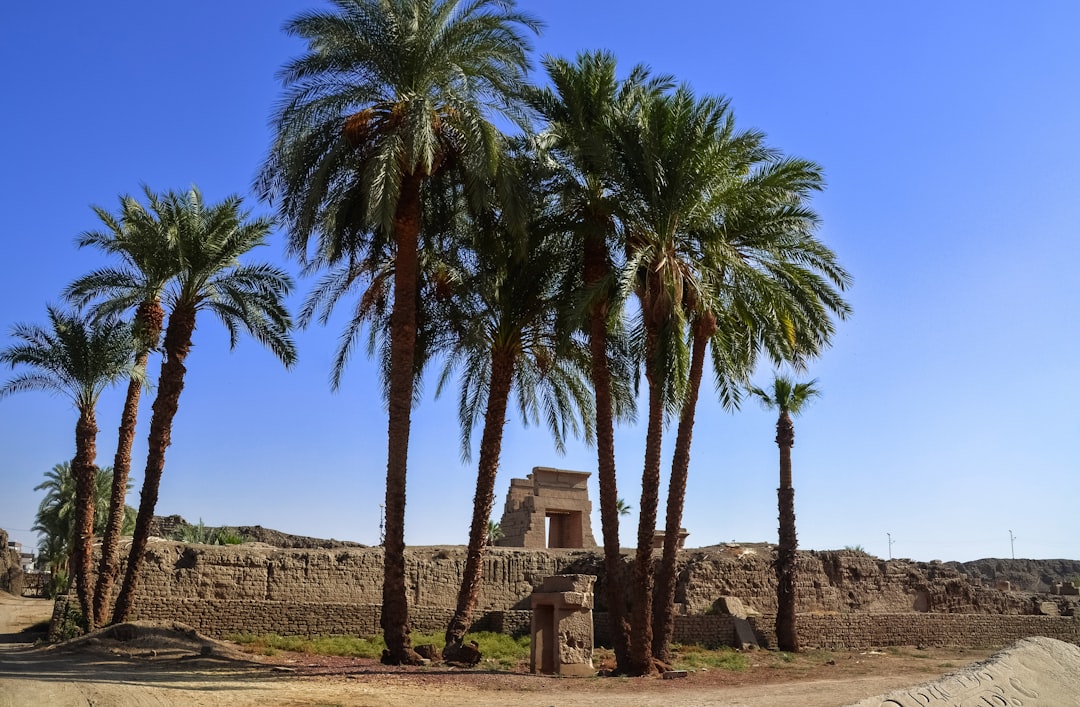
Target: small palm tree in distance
(789, 398)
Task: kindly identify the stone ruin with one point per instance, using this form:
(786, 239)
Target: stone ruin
(549, 509)
(562, 626)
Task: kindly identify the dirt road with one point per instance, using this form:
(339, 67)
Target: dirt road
(103, 673)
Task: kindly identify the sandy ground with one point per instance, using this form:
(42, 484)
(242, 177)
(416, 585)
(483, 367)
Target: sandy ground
(177, 669)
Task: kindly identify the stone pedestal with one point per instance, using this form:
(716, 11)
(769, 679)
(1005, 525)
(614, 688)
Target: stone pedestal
(562, 626)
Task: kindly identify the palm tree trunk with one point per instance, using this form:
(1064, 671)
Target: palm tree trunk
(109, 565)
(150, 317)
(664, 599)
(595, 270)
(785, 440)
(82, 468)
(502, 372)
(641, 662)
(787, 638)
(403, 323)
(170, 385)
(786, 634)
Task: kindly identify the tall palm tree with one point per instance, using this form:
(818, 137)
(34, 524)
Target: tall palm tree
(583, 108)
(678, 155)
(788, 398)
(507, 338)
(147, 262)
(209, 242)
(390, 94)
(78, 358)
(768, 285)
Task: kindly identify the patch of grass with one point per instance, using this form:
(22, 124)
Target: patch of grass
(501, 650)
(350, 646)
(786, 657)
(498, 650)
(689, 657)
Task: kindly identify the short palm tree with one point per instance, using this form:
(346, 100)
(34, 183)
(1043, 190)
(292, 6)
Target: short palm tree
(209, 241)
(494, 532)
(78, 358)
(788, 398)
(390, 94)
(148, 261)
(506, 339)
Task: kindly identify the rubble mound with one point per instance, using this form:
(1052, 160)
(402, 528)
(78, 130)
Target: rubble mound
(1037, 671)
(167, 526)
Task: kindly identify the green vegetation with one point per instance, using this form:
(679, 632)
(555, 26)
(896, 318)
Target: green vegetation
(55, 519)
(499, 650)
(77, 358)
(689, 657)
(494, 532)
(207, 536)
(502, 255)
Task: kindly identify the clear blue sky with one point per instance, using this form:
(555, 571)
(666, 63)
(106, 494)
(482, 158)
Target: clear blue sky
(948, 134)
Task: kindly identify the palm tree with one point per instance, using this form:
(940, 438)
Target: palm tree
(507, 338)
(678, 155)
(390, 94)
(622, 507)
(209, 241)
(584, 107)
(147, 262)
(789, 398)
(767, 285)
(494, 532)
(55, 519)
(77, 358)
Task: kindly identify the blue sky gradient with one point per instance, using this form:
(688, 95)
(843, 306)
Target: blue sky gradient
(948, 135)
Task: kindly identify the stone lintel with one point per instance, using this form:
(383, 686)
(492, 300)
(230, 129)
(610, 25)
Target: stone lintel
(547, 477)
(563, 600)
(567, 583)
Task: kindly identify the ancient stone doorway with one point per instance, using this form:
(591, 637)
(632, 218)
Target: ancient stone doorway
(549, 509)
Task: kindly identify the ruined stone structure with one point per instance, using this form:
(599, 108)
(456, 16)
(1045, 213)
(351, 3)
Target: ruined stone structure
(844, 598)
(550, 508)
(658, 539)
(562, 626)
(12, 579)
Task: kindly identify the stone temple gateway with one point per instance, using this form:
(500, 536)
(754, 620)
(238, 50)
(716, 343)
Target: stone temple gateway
(549, 509)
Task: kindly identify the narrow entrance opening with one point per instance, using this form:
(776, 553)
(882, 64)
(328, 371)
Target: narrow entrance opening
(563, 529)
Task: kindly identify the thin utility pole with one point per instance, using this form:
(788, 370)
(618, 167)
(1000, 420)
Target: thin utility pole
(1012, 544)
(890, 544)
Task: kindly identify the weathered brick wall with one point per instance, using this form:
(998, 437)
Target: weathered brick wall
(224, 617)
(845, 598)
(839, 581)
(174, 571)
(853, 631)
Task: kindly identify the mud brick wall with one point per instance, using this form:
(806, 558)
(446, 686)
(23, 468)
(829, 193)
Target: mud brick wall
(840, 582)
(845, 598)
(854, 631)
(174, 571)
